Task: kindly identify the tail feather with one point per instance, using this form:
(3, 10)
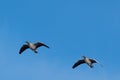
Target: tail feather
(91, 66)
(35, 51)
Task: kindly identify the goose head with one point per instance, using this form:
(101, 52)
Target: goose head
(27, 42)
(84, 57)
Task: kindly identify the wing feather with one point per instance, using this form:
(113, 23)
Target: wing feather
(93, 61)
(78, 63)
(38, 44)
(23, 48)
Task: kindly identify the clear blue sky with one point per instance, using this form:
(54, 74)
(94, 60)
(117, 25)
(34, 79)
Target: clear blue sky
(71, 28)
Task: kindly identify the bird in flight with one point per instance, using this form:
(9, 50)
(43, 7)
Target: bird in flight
(32, 46)
(86, 60)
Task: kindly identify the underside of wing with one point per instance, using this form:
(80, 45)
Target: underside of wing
(78, 63)
(23, 48)
(38, 44)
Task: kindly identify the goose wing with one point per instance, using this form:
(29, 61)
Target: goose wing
(78, 63)
(93, 61)
(23, 48)
(38, 44)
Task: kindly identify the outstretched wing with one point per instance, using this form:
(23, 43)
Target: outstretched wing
(93, 61)
(23, 48)
(78, 63)
(38, 44)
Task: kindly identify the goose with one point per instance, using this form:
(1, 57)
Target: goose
(86, 60)
(32, 46)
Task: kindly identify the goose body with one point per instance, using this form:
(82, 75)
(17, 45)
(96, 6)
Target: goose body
(86, 60)
(32, 46)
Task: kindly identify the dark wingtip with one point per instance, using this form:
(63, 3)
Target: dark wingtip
(46, 46)
(73, 67)
(19, 53)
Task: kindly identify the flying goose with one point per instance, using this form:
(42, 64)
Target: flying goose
(86, 60)
(32, 46)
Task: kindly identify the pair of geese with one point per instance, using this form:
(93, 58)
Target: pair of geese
(34, 46)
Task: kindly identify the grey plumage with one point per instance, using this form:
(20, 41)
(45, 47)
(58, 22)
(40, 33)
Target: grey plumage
(32, 46)
(86, 60)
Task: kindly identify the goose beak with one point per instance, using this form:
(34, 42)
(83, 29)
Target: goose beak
(26, 42)
(83, 56)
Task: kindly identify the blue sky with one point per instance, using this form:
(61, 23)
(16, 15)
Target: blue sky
(71, 28)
